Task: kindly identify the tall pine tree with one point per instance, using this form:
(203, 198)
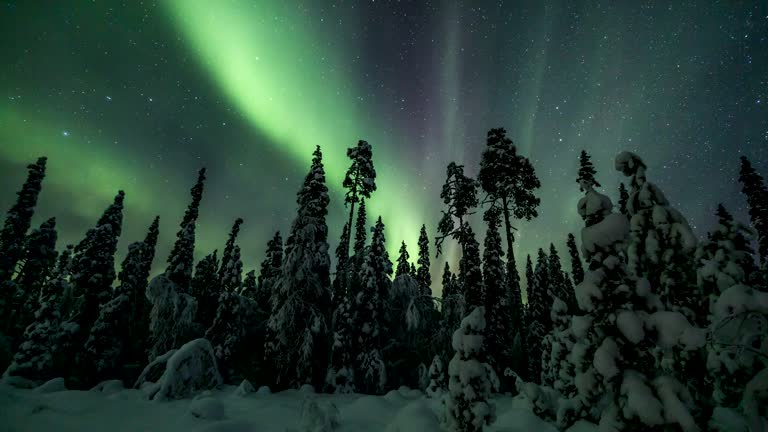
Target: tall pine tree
(422, 273)
(498, 302)
(300, 319)
(403, 265)
(135, 353)
(228, 258)
(577, 268)
(181, 259)
(539, 322)
(754, 188)
(205, 288)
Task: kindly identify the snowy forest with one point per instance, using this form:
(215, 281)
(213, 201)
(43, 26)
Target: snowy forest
(648, 329)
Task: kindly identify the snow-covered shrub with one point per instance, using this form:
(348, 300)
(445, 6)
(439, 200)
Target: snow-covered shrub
(436, 385)
(51, 386)
(192, 368)
(207, 407)
(171, 317)
(245, 388)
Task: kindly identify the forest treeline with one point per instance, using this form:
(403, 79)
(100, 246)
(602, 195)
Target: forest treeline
(650, 329)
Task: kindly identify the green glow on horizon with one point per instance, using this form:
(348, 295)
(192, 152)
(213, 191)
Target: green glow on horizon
(280, 76)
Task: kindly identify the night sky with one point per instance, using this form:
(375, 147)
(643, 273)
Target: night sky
(139, 95)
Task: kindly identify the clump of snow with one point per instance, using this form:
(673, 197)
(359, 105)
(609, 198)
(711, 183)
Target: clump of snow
(612, 230)
(51, 386)
(673, 329)
(588, 292)
(109, 387)
(630, 325)
(727, 420)
(756, 401)
(640, 401)
(307, 388)
(154, 370)
(677, 402)
(190, 369)
(580, 325)
(739, 299)
(263, 391)
(606, 357)
(230, 426)
(208, 408)
(316, 419)
(245, 388)
(18, 382)
(417, 416)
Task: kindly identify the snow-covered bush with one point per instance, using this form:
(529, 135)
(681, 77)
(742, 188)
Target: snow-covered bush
(207, 408)
(436, 385)
(190, 369)
(171, 317)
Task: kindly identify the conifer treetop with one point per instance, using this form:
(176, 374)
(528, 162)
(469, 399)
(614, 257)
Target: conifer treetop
(586, 178)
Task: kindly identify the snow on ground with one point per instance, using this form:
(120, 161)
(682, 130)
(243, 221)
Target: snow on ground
(128, 410)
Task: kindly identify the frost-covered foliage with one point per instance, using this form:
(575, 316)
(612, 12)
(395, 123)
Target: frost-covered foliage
(17, 222)
(756, 192)
(661, 241)
(467, 403)
(35, 357)
(39, 262)
(181, 258)
(301, 306)
(171, 317)
(205, 288)
(369, 315)
(190, 369)
(108, 336)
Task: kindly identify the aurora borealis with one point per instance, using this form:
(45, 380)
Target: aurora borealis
(139, 95)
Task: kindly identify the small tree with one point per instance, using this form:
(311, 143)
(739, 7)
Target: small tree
(558, 285)
(403, 265)
(422, 273)
(586, 178)
(754, 188)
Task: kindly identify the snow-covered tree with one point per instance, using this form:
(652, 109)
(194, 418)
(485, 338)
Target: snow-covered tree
(471, 379)
(510, 181)
(662, 243)
(17, 222)
(233, 278)
(498, 301)
(450, 311)
(270, 267)
(403, 265)
(135, 351)
(754, 188)
(341, 372)
(229, 277)
(38, 264)
(586, 178)
(181, 259)
(104, 348)
(35, 359)
(300, 318)
(459, 194)
(558, 281)
(408, 315)
(205, 288)
(369, 314)
(342, 270)
(577, 269)
(173, 309)
(539, 323)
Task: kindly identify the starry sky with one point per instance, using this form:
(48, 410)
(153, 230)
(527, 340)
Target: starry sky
(139, 95)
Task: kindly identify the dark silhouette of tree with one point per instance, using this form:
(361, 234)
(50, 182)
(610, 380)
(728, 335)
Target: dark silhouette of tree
(754, 188)
(206, 287)
(403, 265)
(459, 193)
(623, 198)
(586, 172)
(228, 257)
(422, 273)
(181, 259)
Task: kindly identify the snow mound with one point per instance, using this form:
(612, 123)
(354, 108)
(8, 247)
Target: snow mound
(727, 420)
(190, 369)
(307, 388)
(317, 419)
(52, 386)
(519, 420)
(207, 408)
(394, 396)
(245, 388)
(417, 416)
(263, 391)
(19, 382)
(109, 387)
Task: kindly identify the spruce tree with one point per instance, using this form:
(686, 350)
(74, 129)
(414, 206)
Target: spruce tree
(558, 281)
(17, 222)
(109, 335)
(510, 182)
(93, 265)
(251, 286)
(369, 314)
(206, 287)
(450, 312)
(181, 259)
(539, 323)
(754, 188)
(232, 279)
(403, 265)
(173, 309)
(341, 372)
(342, 271)
(422, 273)
(498, 302)
(39, 262)
(301, 307)
(586, 178)
(459, 194)
(227, 258)
(577, 268)
(529, 278)
(135, 353)
(36, 358)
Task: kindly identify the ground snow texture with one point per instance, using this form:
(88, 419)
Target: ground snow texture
(223, 411)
